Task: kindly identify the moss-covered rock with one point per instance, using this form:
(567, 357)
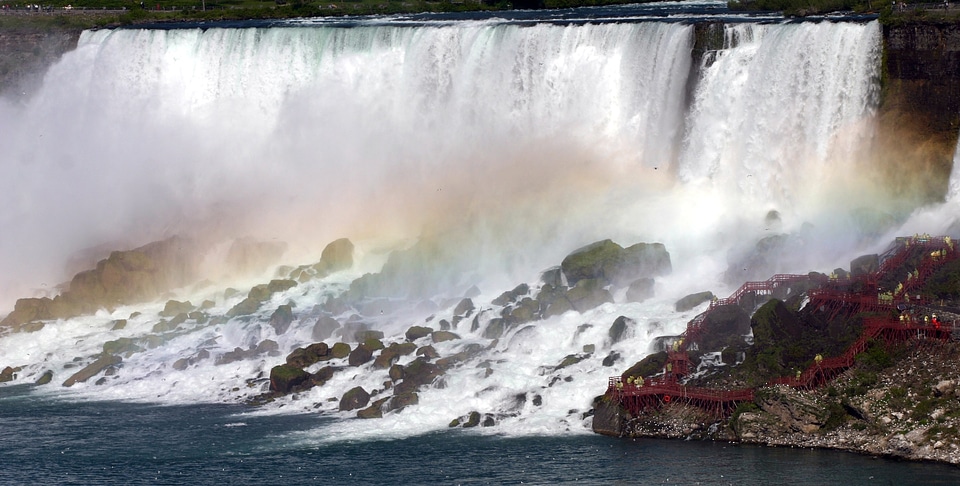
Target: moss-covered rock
(648, 366)
(613, 264)
(353, 399)
(442, 336)
(285, 378)
(417, 332)
(174, 307)
(304, 357)
(340, 350)
(45, 378)
(417, 373)
(362, 354)
(389, 355)
(122, 346)
(588, 294)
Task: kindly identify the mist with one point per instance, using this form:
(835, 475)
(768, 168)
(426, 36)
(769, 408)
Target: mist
(526, 143)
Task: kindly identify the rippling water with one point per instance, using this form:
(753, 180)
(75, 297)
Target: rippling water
(47, 440)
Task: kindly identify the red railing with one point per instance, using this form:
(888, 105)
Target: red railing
(937, 251)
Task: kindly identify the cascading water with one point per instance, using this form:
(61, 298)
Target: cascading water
(520, 143)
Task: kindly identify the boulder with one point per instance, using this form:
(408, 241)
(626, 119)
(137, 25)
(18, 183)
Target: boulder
(122, 346)
(417, 332)
(441, 336)
(373, 411)
(640, 290)
(324, 328)
(304, 357)
(692, 300)
(864, 265)
(285, 378)
(9, 374)
(174, 307)
(428, 352)
(282, 318)
(570, 360)
(401, 401)
(340, 350)
(512, 295)
(93, 369)
(389, 355)
(619, 328)
(368, 335)
(362, 354)
(464, 308)
(613, 264)
(336, 256)
(417, 373)
(588, 294)
(45, 378)
(353, 399)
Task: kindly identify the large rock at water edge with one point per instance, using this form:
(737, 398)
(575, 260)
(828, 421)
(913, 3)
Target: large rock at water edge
(353, 399)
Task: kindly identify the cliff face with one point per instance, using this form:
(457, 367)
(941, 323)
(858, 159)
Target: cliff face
(25, 56)
(919, 113)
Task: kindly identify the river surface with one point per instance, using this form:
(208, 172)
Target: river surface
(50, 440)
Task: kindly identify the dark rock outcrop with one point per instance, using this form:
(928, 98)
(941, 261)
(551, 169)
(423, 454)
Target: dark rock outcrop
(353, 399)
(608, 261)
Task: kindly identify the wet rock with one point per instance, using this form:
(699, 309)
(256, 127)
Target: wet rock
(864, 265)
(619, 328)
(362, 354)
(282, 318)
(174, 307)
(442, 336)
(417, 373)
(285, 378)
(511, 296)
(45, 378)
(373, 411)
(324, 328)
(464, 308)
(119, 324)
(611, 359)
(640, 290)
(417, 332)
(368, 335)
(389, 355)
(9, 374)
(353, 399)
(400, 401)
(93, 369)
(570, 360)
(428, 352)
(692, 300)
(613, 264)
(340, 350)
(304, 357)
(122, 346)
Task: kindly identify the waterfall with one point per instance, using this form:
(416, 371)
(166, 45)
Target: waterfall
(517, 143)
